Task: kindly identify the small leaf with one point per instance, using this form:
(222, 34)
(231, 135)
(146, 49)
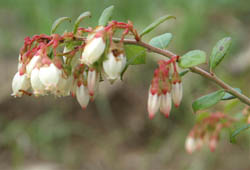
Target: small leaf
(219, 51)
(80, 18)
(161, 41)
(238, 131)
(192, 58)
(184, 72)
(106, 16)
(156, 23)
(207, 101)
(58, 22)
(135, 54)
(229, 96)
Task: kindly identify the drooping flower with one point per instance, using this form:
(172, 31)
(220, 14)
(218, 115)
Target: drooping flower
(82, 95)
(93, 80)
(31, 65)
(177, 89)
(36, 84)
(166, 104)
(50, 76)
(190, 144)
(154, 101)
(94, 48)
(114, 65)
(20, 83)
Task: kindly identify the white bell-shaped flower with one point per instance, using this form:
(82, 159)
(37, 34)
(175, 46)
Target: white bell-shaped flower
(93, 81)
(64, 86)
(20, 64)
(36, 84)
(82, 95)
(20, 82)
(50, 76)
(177, 93)
(114, 65)
(190, 144)
(153, 104)
(31, 65)
(93, 50)
(166, 104)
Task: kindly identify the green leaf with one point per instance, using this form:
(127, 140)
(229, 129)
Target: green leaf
(80, 18)
(192, 58)
(156, 23)
(161, 41)
(219, 51)
(106, 16)
(58, 22)
(184, 72)
(229, 96)
(237, 132)
(135, 54)
(207, 101)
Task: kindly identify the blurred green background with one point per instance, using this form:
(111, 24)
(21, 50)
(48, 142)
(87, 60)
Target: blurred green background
(114, 132)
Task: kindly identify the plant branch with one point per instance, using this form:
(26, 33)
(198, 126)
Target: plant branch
(196, 70)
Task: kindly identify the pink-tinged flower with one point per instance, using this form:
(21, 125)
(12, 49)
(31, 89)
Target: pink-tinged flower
(31, 65)
(94, 48)
(166, 104)
(93, 81)
(20, 64)
(82, 96)
(19, 83)
(177, 93)
(50, 76)
(114, 65)
(153, 104)
(213, 143)
(36, 84)
(190, 144)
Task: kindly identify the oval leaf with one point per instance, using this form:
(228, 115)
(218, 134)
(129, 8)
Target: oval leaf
(80, 18)
(106, 16)
(219, 51)
(237, 131)
(135, 54)
(192, 58)
(58, 22)
(229, 96)
(207, 101)
(183, 73)
(161, 41)
(156, 23)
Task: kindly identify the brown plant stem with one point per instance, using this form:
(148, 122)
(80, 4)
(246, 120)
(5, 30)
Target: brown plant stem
(195, 69)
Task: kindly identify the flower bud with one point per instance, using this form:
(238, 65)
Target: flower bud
(113, 65)
(166, 104)
(92, 81)
(190, 144)
(153, 103)
(50, 76)
(32, 64)
(20, 82)
(177, 93)
(82, 96)
(93, 50)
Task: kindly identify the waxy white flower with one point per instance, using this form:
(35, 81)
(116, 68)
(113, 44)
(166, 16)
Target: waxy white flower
(93, 51)
(166, 104)
(20, 82)
(50, 76)
(82, 95)
(20, 64)
(31, 65)
(36, 84)
(177, 93)
(114, 65)
(153, 104)
(93, 81)
(190, 144)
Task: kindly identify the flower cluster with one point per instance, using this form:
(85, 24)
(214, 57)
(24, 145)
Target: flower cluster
(207, 131)
(43, 70)
(164, 88)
